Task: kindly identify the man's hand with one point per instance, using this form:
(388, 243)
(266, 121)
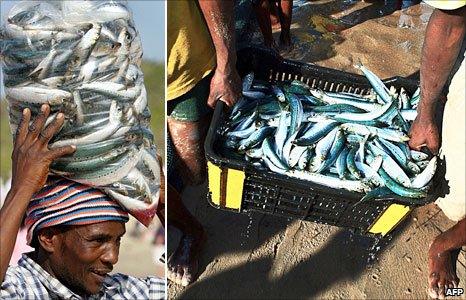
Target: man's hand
(31, 161)
(444, 36)
(31, 155)
(225, 86)
(424, 133)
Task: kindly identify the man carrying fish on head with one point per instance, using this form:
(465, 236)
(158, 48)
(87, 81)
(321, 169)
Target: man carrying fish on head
(443, 46)
(201, 70)
(75, 229)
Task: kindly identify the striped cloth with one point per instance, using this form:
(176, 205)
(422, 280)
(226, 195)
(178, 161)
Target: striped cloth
(65, 202)
(29, 280)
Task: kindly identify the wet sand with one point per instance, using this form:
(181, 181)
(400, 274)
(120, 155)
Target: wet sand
(338, 34)
(275, 258)
(271, 257)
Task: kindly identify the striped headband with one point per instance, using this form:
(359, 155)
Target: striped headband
(65, 202)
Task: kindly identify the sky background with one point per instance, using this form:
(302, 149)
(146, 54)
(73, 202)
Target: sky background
(149, 16)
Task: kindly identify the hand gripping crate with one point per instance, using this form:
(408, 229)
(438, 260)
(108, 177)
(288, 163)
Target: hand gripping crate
(236, 186)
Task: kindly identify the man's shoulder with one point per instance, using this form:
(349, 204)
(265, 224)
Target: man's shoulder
(148, 287)
(17, 273)
(16, 281)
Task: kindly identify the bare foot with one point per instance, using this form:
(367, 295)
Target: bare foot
(441, 271)
(183, 263)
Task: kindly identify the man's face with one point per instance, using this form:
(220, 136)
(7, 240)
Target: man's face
(86, 255)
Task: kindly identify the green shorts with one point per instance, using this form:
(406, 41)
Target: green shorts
(191, 106)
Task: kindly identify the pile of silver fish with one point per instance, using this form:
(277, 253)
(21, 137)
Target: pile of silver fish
(83, 58)
(356, 142)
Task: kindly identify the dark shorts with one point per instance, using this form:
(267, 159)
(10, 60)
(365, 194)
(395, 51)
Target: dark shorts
(191, 106)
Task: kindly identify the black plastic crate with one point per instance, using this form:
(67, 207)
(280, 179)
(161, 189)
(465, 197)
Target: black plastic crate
(276, 194)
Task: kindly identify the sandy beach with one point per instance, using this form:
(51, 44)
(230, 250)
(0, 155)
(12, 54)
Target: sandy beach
(267, 257)
(271, 258)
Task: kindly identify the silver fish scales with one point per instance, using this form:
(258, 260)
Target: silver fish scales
(83, 58)
(360, 122)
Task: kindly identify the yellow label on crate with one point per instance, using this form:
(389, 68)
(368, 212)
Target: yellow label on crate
(234, 188)
(225, 186)
(389, 219)
(214, 182)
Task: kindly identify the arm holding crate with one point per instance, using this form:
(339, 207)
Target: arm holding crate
(225, 83)
(442, 47)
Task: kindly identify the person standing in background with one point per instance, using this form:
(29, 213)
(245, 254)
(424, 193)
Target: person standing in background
(445, 35)
(266, 12)
(201, 70)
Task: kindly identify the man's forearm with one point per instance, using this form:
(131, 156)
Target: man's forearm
(443, 39)
(219, 18)
(11, 215)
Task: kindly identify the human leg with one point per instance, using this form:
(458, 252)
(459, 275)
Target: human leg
(188, 122)
(442, 259)
(441, 256)
(286, 11)
(183, 263)
(262, 10)
(188, 138)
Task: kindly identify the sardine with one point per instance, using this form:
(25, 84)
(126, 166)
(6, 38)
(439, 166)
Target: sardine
(295, 155)
(386, 133)
(341, 163)
(37, 95)
(418, 155)
(88, 164)
(367, 106)
(332, 182)
(110, 173)
(334, 152)
(399, 189)
(316, 132)
(281, 133)
(426, 175)
(351, 164)
(390, 166)
(376, 83)
(98, 135)
(113, 90)
(296, 112)
(269, 152)
(257, 137)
